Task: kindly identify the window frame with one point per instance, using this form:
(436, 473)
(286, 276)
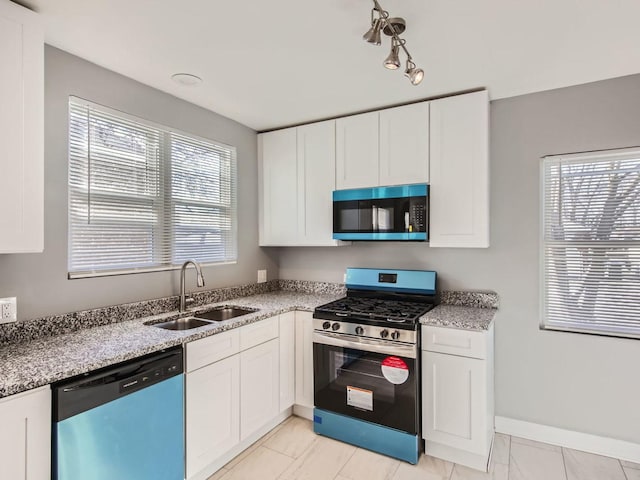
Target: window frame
(165, 167)
(612, 154)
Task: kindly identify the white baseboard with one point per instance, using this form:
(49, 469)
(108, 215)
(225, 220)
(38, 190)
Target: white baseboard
(303, 411)
(585, 442)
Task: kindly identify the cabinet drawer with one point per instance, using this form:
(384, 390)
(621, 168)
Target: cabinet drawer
(259, 332)
(211, 349)
(456, 342)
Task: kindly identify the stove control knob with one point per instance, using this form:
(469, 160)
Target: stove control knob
(335, 326)
(384, 333)
(395, 334)
(326, 325)
(359, 330)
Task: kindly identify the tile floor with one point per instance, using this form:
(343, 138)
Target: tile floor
(291, 451)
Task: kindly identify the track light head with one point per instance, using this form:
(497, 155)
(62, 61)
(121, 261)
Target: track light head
(373, 34)
(392, 62)
(414, 74)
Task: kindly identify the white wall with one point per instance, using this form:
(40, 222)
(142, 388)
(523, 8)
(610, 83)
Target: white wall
(572, 381)
(40, 280)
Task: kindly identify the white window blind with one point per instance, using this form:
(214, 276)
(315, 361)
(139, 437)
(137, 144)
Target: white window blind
(591, 242)
(143, 197)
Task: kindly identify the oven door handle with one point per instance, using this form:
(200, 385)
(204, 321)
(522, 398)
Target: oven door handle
(367, 345)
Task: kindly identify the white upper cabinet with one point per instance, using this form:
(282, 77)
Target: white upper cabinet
(21, 129)
(357, 151)
(404, 144)
(316, 181)
(278, 181)
(459, 176)
(297, 168)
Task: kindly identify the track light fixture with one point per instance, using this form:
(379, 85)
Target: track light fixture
(393, 27)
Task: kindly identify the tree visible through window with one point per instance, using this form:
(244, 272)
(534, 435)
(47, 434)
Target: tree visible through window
(591, 225)
(143, 197)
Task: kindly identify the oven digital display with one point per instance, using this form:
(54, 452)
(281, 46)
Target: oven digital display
(387, 277)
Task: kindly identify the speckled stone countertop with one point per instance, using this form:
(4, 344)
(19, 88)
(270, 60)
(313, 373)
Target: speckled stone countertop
(45, 360)
(456, 316)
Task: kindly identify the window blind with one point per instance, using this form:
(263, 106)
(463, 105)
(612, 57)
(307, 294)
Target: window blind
(144, 197)
(591, 242)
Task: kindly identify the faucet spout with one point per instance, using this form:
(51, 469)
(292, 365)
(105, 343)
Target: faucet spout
(199, 281)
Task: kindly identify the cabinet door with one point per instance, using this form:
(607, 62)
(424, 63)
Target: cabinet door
(404, 144)
(25, 443)
(278, 184)
(357, 151)
(287, 360)
(459, 164)
(212, 412)
(317, 181)
(259, 386)
(304, 359)
(21, 130)
(454, 405)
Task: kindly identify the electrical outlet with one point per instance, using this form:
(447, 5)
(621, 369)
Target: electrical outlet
(262, 276)
(8, 309)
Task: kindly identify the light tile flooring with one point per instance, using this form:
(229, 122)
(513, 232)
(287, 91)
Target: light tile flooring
(291, 451)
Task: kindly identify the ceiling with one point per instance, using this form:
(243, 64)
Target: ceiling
(278, 63)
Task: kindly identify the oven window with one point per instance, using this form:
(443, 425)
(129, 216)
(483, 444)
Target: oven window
(370, 386)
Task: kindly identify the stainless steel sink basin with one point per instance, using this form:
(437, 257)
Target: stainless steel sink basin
(185, 323)
(222, 313)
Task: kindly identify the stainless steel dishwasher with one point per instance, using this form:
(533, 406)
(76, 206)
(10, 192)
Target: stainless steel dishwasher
(123, 422)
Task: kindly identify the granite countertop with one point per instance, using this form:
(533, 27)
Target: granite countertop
(461, 317)
(45, 360)
(50, 349)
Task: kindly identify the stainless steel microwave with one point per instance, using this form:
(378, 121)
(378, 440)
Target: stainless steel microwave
(382, 213)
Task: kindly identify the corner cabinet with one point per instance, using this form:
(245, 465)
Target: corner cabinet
(21, 129)
(25, 444)
(457, 395)
(296, 170)
(304, 365)
(459, 171)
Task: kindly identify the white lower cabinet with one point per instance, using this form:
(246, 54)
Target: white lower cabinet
(233, 391)
(25, 443)
(212, 412)
(457, 395)
(287, 340)
(304, 365)
(259, 386)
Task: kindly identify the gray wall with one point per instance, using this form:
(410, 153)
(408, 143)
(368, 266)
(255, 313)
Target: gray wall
(578, 382)
(40, 280)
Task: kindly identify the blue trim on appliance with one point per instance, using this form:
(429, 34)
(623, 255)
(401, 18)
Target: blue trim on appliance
(399, 191)
(385, 440)
(381, 236)
(410, 281)
(138, 436)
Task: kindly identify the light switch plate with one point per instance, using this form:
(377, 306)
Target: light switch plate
(262, 276)
(8, 309)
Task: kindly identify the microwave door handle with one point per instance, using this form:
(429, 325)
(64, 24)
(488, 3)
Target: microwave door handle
(374, 218)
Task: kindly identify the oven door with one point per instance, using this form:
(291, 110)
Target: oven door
(368, 379)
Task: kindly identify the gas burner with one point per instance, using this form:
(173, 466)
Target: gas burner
(354, 309)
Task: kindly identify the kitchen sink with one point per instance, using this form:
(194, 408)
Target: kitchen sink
(186, 323)
(219, 314)
(207, 317)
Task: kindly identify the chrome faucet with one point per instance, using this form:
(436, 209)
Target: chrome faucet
(200, 279)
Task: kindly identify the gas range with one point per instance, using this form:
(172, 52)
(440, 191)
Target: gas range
(381, 304)
(366, 361)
